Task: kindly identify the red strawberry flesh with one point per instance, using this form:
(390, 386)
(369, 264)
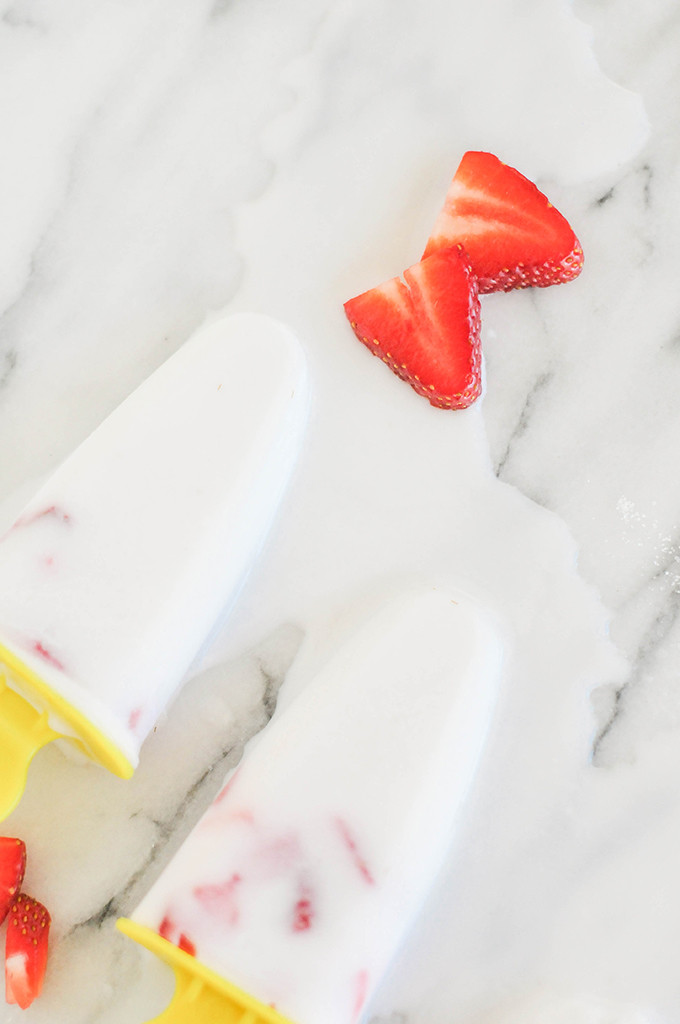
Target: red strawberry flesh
(514, 236)
(426, 328)
(12, 867)
(26, 950)
(168, 930)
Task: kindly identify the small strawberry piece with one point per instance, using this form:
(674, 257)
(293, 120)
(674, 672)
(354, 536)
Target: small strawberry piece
(303, 915)
(167, 929)
(514, 236)
(361, 991)
(354, 851)
(427, 330)
(304, 911)
(26, 950)
(12, 867)
(186, 944)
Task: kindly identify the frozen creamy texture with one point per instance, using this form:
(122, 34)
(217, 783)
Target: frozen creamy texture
(302, 878)
(116, 572)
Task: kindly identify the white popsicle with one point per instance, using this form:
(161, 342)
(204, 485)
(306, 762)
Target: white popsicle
(118, 569)
(302, 878)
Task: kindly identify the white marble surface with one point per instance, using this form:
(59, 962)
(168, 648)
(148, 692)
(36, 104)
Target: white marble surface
(162, 160)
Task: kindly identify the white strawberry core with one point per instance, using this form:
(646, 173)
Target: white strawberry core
(16, 976)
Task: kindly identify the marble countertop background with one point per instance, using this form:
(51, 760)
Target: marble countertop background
(163, 159)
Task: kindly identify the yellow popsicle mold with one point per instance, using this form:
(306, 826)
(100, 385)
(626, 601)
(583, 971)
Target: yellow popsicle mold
(24, 729)
(201, 996)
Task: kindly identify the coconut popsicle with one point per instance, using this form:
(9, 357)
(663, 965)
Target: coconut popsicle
(290, 896)
(121, 565)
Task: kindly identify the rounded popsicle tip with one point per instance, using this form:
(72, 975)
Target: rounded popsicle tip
(200, 994)
(23, 732)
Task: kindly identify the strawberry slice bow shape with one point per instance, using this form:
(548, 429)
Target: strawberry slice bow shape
(496, 231)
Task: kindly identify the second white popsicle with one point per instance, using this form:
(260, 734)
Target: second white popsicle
(303, 877)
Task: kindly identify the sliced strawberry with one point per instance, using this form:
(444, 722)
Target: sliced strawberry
(12, 867)
(28, 929)
(514, 236)
(427, 329)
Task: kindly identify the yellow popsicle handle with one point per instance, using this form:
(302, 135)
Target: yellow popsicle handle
(201, 996)
(24, 729)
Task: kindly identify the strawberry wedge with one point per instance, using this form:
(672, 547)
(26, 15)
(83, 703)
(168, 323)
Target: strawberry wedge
(426, 328)
(25, 950)
(514, 236)
(12, 867)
